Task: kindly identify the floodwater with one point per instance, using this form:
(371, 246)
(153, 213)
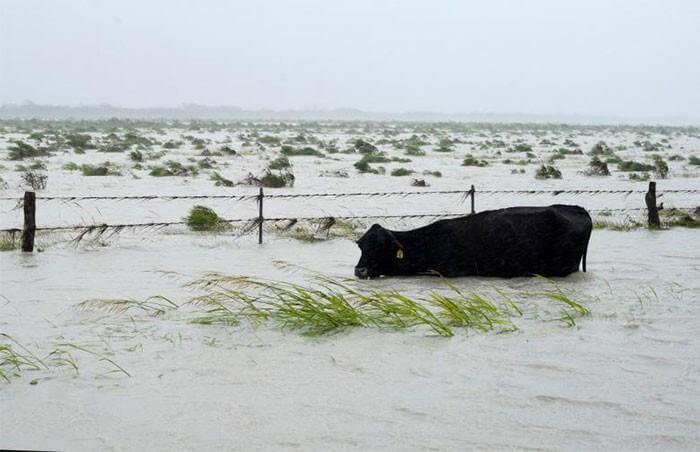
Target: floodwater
(627, 377)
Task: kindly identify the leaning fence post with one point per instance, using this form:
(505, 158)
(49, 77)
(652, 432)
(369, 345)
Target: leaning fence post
(653, 211)
(260, 216)
(29, 221)
(471, 193)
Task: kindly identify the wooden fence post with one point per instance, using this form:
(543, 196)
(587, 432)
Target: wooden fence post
(471, 192)
(260, 216)
(653, 211)
(29, 221)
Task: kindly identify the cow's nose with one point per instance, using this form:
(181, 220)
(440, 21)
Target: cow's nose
(361, 272)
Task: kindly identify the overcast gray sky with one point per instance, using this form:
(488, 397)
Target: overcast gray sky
(595, 57)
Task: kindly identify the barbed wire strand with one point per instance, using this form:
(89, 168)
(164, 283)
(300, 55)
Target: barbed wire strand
(256, 220)
(343, 195)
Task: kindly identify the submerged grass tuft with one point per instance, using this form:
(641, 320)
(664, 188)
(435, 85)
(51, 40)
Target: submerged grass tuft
(202, 218)
(328, 305)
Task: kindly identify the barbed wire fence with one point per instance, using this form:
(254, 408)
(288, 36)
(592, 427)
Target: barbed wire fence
(248, 225)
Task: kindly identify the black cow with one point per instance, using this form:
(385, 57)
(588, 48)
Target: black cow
(517, 241)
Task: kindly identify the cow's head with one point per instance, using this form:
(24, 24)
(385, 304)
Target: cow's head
(381, 253)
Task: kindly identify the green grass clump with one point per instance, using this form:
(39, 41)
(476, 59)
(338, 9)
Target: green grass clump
(9, 241)
(414, 151)
(565, 151)
(693, 160)
(154, 306)
(470, 160)
(221, 181)
(521, 147)
(675, 217)
(547, 172)
(279, 163)
(15, 359)
(639, 177)
(401, 172)
(444, 145)
(630, 165)
(202, 218)
(363, 165)
(291, 151)
(71, 166)
(624, 225)
(363, 147)
(327, 305)
(277, 180)
(173, 168)
(103, 169)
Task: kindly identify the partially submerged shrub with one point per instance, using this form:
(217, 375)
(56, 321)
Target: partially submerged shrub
(445, 145)
(418, 183)
(401, 172)
(21, 150)
(548, 172)
(364, 147)
(660, 166)
(639, 177)
(220, 180)
(79, 142)
(173, 168)
(597, 167)
(136, 156)
(171, 144)
(36, 180)
(470, 160)
(414, 151)
(565, 151)
(363, 164)
(277, 180)
(103, 169)
(202, 218)
(291, 151)
(35, 165)
(228, 150)
(601, 148)
(521, 147)
(280, 163)
(693, 160)
(676, 217)
(630, 165)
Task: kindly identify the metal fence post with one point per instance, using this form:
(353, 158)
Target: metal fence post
(29, 221)
(260, 216)
(650, 200)
(471, 192)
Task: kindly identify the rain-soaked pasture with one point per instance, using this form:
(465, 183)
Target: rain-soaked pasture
(186, 333)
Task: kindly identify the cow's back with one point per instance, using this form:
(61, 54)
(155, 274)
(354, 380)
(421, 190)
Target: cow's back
(520, 241)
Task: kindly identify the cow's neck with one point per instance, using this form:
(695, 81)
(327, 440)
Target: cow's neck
(415, 256)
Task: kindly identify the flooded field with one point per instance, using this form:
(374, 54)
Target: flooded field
(623, 374)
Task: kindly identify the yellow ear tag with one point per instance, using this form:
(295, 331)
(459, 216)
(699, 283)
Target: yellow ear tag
(399, 254)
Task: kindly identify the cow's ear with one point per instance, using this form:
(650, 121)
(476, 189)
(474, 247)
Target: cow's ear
(396, 243)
